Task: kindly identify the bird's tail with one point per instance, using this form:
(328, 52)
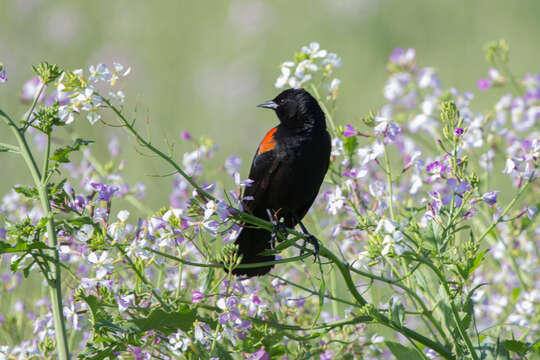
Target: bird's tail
(251, 242)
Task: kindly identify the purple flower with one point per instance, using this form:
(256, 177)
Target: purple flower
(327, 355)
(458, 131)
(233, 164)
(61, 96)
(105, 192)
(435, 169)
(3, 74)
(186, 135)
(259, 355)
(31, 88)
(490, 197)
(483, 84)
(456, 191)
(349, 131)
(196, 296)
(402, 57)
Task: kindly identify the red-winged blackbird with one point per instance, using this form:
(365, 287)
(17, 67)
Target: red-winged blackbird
(287, 171)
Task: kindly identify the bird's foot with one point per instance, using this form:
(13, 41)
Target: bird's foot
(313, 241)
(278, 228)
(309, 238)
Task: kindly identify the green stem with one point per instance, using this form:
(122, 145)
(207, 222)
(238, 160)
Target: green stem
(33, 106)
(221, 266)
(55, 285)
(383, 320)
(457, 319)
(101, 171)
(324, 108)
(336, 299)
(506, 210)
(162, 155)
(389, 180)
(9, 148)
(45, 168)
(142, 277)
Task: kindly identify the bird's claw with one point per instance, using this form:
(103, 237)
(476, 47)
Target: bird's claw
(278, 228)
(313, 241)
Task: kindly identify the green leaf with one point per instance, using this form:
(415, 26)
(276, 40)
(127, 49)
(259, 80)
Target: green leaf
(402, 352)
(516, 346)
(514, 294)
(80, 221)
(398, 313)
(21, 246)
(166, 322)
(61, 155)
(221, 352)
(477, 261)
(29, 192)
(432, 235)
(349, 145)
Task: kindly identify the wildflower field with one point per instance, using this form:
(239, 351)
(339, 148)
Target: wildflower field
(427, 221)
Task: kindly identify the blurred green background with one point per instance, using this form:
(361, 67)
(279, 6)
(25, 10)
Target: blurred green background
(203, 66)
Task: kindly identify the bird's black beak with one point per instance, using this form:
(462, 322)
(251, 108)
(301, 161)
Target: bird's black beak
(270, 104)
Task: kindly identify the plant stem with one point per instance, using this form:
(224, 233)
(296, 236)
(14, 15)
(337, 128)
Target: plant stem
(506, 210)
(45, 168)
(389, 180)
(324, 108)
(162, 155)
(55, 285)
(142, 277)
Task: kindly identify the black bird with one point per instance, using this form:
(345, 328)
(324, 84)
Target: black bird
(287, 172)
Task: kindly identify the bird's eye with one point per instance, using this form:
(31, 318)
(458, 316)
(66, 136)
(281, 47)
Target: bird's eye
(281, 101)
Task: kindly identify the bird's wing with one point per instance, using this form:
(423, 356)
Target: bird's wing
(264, 166)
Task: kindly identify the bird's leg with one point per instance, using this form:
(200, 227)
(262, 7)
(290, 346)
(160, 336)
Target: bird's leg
(278, 226)
(312, 239)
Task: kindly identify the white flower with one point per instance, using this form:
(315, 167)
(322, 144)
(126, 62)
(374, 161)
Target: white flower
(285, 73)
(510, 166)
(117, 98)
(305, 66)
(388, 226)
(395, 86)
(333, 88)
(117, 73)
(123, 215)
(93, 116)
(209, 209)
(65, 114)
(370, 153)
(99, 72)
(334, 85)
(84, 233)
(375, 339)
(428, 78)
(314, 51)
(331, 61)
(335, 201)
(103, 263)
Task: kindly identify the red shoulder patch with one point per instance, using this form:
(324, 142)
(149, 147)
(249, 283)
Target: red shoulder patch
(268, 143)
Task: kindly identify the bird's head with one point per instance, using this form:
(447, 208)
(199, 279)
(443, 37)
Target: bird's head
(296, 108)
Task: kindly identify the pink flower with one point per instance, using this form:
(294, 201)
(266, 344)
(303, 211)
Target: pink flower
(483, 84)
(349, 131)
(196, 296)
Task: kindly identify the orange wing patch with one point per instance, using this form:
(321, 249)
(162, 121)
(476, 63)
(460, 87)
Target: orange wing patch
(268, 143)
